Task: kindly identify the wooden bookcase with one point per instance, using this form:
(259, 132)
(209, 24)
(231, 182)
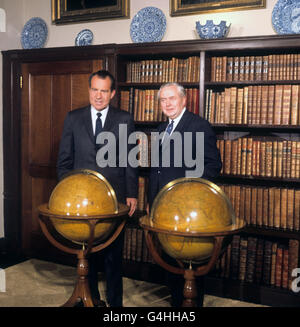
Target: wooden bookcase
(257, 265)
(249, 285)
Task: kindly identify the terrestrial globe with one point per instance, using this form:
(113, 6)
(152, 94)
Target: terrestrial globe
(187, 214)
(83, 208)
(78, 197)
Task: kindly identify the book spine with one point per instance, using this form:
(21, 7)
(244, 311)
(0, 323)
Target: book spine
(267, 264)
(243, 258)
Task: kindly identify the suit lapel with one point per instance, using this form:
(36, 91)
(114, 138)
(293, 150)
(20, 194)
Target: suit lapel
(162, 127)
(88, 123)
(183, 121)
(110, 120)
(181, 126)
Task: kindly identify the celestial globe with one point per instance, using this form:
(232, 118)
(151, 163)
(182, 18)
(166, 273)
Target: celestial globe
(187, 213)
(80, 196)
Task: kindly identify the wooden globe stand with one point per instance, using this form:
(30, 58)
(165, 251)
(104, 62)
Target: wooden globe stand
(82, 293)
(190, 274)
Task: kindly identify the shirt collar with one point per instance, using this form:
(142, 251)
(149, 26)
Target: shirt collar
(94, 116)
(177, 119)
(103, 112)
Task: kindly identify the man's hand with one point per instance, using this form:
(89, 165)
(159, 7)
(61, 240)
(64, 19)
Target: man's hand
(132, 203)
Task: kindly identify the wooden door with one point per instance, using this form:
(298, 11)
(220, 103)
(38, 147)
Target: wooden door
(50, 90)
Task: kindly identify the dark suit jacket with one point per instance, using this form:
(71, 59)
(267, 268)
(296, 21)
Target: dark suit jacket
(189, 122)
(78, 150)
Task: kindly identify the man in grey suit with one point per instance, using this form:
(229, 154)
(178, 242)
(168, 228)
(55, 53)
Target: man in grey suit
(78, 150)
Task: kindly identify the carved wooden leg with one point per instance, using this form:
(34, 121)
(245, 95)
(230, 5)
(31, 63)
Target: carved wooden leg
(189, 289)
(81, 291)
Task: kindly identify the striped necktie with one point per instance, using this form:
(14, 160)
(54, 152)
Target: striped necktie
(170, 127)
(168, 132)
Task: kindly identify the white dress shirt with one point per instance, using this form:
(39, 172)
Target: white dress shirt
(94, 116)
(175, 123)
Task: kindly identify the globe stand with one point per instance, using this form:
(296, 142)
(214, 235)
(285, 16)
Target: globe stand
(81, 292)
(190, 217)
(189, 289)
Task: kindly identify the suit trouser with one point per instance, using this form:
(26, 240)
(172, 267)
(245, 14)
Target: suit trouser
(108, 260)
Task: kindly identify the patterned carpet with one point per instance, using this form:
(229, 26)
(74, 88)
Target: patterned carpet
(35, 283)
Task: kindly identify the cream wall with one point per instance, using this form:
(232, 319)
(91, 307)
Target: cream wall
(8, 40)
(243, 23)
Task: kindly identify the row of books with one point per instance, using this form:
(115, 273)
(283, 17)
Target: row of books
(254, 104)
(256, 260)
(254, 156)
(256, 68)
(247, 156)
(135, 247)
(144, 104)
(246, 258)
(163, 71)
(271, 207)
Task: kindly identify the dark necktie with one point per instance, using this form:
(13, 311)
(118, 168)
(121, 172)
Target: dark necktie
(168, 131)
(98, 125)
(170, 127)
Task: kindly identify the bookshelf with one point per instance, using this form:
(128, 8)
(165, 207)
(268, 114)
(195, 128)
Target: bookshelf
(248, 89)
(275, 80)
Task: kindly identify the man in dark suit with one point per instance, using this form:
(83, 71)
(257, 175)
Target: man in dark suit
(78, 150)
(198, 160)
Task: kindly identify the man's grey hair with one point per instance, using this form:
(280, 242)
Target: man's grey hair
(180, 89)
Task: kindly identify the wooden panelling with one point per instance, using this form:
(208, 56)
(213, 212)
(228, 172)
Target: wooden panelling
(79, 90)
(50, 90)
(39, 124)
(61, 99)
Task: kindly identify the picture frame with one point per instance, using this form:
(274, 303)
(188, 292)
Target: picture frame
(193, 7)
(78, 11)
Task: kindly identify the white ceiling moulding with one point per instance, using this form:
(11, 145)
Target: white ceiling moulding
(2, 20)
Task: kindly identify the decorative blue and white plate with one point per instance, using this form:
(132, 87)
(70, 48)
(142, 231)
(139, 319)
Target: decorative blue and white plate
(34, 33)
(84, 37)
(148, 25)
(286, 17)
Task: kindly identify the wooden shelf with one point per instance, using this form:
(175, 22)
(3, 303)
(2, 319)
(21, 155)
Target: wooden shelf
(260, 179)
(154, 85)
(273, 232)
(254, 128)
(243, 83)
(149, 123)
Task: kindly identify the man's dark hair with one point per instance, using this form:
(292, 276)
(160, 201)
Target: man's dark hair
(103, 74)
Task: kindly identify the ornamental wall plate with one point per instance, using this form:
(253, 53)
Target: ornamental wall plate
(34, 33)
(286, 17)
(148, 25)
(84, 37)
